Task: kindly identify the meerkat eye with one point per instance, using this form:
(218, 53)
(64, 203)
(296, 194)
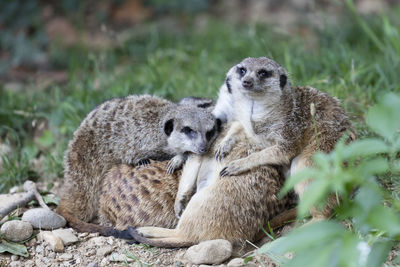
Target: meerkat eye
(241, 71)
(264, 73)
(210, 134)
(188, 131)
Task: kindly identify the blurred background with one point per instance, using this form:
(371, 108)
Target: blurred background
(59, 59)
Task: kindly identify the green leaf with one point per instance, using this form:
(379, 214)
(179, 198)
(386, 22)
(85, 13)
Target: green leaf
(383, 118)
(13, 248)
(315, 193)
(297, 178)
(368, 196)
(304, 237)
(247, 259)
(365, 147)
(379, 253)
(48, 199)
(372, 167)
(385, 219)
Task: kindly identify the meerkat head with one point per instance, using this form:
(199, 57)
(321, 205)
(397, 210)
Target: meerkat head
(252, 79)
(191, 129)
(258, 77)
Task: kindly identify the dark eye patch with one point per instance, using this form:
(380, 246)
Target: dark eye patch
(263, 73)
(210, 134)
(187, 130)
(242, 71)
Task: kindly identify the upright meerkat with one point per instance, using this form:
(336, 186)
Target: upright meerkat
(291, 122)
(232, 209)
(128, 130)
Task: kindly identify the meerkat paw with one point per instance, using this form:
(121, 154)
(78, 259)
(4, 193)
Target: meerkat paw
(180, 205)
(223, 149)
(175, 163)
(143, 162)
(234, 168)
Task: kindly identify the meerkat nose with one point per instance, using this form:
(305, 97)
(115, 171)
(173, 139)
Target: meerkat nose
(247, 83)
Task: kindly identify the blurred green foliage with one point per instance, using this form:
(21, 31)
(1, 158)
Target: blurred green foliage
(372, 213)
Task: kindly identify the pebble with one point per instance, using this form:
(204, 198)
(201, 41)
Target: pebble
(39, 249)
(92, 264)
(104, 262)
(104, 251)
(239, 262)
(65, 257)
(66, 235)
(97, 241)
(16, 230)
(54, 241)
(15, 264)
(42, 218)
(14, 257)
(209, 252)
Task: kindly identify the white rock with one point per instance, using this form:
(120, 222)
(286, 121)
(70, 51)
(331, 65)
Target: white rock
(104, 251)
(54, 241)
(14, 257)
(93, 264)
(65, 257)
(209, 252)
(97, 241)
(15, 264)
(16, 230)
(239, 262)
(66, 235)
(42, 218)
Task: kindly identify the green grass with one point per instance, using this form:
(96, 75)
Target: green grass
(355, 61)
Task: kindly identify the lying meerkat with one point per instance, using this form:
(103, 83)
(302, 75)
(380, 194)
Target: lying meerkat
(258, 97)
(231, 209)
(128, 130)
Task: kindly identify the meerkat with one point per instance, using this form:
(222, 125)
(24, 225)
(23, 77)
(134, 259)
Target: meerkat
(128, 130)
(291, 122)
(231, 209)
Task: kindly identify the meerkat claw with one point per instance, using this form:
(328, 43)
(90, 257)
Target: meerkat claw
(143, 162)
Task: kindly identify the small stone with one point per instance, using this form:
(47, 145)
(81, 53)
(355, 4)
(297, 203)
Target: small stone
(116, 257)
(66, 235)
(104, 262)
(31, 242)
(209, 252)
(54, 241)
(92, 264)
(239, 262)
(104, 251)
(97, 241)
(39, 249)
(65, 257)
(42, 218)
(82, 235)
(14, 257)
(52, 255)
(15, 264)
(16, 230)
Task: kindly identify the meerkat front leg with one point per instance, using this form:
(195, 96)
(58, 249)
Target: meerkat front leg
(230, 139)
(272, 155)
(187, 183)
(175, 163)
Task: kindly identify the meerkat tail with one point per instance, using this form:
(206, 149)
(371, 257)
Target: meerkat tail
(165, 242)
(82, 226)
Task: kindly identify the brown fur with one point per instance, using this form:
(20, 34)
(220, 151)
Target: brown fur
(126, 130)
(231, 209)
(278, 116)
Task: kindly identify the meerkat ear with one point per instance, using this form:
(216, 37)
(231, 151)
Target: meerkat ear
(169, 127)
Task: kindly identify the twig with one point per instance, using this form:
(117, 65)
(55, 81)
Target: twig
(31, 194)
